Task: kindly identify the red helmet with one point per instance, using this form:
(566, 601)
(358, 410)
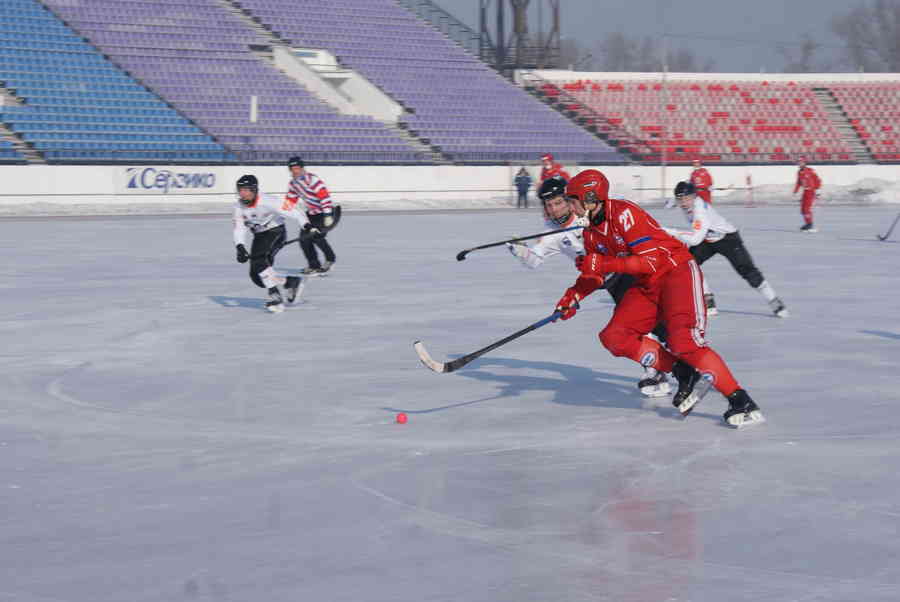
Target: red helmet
(547, 157)
(590, 185)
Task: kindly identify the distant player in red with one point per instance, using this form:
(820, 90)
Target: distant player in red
(623, 238)
(552, 168)
(809, 181)
(702, 181)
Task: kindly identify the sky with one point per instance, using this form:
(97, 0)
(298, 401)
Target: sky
(754, 28)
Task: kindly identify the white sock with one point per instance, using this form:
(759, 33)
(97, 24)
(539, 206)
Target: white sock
(766, 291)
(270, 278)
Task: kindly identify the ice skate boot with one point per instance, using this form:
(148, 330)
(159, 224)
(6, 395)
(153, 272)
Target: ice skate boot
(275, 304)
(293, 287)
(808, 228)
(654, 383)
(778, 308)
(710, 301)
(327, 266)
(692, 387)
(742, 411)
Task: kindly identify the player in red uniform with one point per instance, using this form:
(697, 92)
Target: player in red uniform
(623, 238)
(702, 181)
(809, 181)
(552, 168)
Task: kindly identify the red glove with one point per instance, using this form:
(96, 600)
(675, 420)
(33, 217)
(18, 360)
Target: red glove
(568, 304)
(594, 264)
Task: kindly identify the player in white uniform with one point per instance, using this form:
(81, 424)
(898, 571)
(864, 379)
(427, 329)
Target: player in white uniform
(560, 212)
(712, 234)
(262, 215)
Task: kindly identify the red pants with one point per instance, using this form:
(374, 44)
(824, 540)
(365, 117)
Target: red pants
(705, 194)
(806, 204)
(676, 299)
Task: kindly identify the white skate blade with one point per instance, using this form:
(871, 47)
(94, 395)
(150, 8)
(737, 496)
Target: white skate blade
(275, 309)
(739, 421)
(784, 313)
(700, 390)
(685, 407)
(660, 390)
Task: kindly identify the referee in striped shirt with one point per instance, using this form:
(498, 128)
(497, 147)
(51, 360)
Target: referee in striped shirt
(311, 190)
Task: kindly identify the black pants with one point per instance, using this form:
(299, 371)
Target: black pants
(618, 285)
(262, 252)
(733, 249)
(522, 201)
(308, 243)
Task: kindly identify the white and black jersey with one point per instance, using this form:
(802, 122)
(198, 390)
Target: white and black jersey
(266, 212)
(707, 224)
(570, 244)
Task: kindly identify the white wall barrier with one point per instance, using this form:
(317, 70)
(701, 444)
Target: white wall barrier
(51, 189)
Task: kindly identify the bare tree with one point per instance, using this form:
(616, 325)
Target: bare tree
(871, 35)
(618, 52)
(573, 55)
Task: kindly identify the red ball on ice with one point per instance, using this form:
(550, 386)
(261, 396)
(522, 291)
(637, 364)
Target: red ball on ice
(401, 418)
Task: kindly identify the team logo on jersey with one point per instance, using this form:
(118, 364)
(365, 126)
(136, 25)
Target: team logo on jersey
(697, 225)
(619, 239)
(648, 359)
(567, 242)
(601, 248)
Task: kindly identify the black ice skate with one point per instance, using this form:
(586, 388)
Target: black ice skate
(275, 304)
(654, 383)
(808, 228)
(313, 271)
(710, 301)
(742, 411)
(691, 388)
(778, 308)
(327, 266)
(293, 287)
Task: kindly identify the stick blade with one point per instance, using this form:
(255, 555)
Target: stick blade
(426, 359)
(461, 255)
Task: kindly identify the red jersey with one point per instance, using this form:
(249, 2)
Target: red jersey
(636, 244)
(701, 179)
(554, 170)
(808, 180)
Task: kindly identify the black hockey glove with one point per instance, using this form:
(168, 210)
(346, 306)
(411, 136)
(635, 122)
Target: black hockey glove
(242, 255)
(310, 231)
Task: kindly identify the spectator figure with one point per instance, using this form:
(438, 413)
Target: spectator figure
(523, 183)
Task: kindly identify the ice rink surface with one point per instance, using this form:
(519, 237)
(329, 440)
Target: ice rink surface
(163, 438)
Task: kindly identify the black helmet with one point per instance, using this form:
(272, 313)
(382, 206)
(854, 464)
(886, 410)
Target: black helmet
(248, 181)
(684, 189)
(295, 161)
(552, 187)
